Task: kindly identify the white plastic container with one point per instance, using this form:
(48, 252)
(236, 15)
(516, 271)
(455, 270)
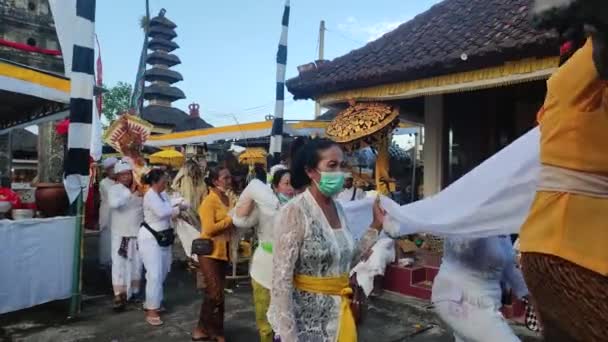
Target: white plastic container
(5, 207)
(22, 214)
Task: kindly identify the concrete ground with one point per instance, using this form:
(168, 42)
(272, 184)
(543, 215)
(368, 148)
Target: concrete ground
(389, 318)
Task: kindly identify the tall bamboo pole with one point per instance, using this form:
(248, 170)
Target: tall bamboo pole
(78, 256)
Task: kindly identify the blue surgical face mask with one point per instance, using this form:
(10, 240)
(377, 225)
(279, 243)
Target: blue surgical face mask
(283, 198)
(331, 183)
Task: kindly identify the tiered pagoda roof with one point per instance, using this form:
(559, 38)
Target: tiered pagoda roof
(163, 75)
(158, 31)
(162, 21)
(159, 44)
(163, 93)
(162, 58)
(160, 91)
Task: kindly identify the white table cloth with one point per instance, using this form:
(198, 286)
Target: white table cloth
(36, 258)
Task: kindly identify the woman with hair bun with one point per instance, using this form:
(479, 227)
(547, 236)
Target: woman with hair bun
(155, 239)
(311, 296)
(216, 228)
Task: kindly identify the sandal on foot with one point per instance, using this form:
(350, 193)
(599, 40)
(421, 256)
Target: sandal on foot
(118, 304)
(203, 338)
(154, 320)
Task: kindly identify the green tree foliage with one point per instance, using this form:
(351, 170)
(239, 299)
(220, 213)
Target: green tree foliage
(116, 100)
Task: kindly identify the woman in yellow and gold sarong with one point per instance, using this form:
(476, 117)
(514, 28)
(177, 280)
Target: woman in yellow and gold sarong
(314, 252)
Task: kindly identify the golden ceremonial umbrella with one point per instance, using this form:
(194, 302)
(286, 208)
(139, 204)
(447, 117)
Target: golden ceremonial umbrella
(368, 124)
(252, 156)
(171, 158)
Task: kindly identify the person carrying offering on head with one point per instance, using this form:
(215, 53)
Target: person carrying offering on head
(126, 215)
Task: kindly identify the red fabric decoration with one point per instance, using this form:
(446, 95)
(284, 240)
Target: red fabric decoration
(9, 195)
(566, 48)
(99, 81)
(62, 127)
(29, 48)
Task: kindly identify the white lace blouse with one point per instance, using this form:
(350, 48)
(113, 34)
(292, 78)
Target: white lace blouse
(306, 244)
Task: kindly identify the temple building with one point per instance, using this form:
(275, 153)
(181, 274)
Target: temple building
(29, 23)
(160, 91)
(472, 72)
(29, 46)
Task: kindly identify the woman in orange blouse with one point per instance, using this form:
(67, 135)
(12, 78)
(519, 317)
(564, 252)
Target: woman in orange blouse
(216, 226)
(564, 241)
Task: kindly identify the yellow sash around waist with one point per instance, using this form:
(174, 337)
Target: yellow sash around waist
(333, 286)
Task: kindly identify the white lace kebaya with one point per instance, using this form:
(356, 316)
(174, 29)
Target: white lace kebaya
(307, 245)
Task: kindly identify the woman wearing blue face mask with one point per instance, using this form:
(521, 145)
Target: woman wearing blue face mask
(311, 296)
(257, 207)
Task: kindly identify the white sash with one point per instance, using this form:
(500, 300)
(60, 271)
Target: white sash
(557, 179)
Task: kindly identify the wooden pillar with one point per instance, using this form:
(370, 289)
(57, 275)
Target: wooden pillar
(433, 144)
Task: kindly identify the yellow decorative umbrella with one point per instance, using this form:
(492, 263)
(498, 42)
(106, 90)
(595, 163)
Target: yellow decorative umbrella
(253, 155)
(171, 158)
(368, 124)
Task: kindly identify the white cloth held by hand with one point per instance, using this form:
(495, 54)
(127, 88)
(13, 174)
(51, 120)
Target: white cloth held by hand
(383, 253)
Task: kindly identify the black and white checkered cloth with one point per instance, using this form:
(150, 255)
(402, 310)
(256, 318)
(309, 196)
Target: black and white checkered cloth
(532, 322)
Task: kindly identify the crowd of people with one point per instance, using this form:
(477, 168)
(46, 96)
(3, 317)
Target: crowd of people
(301, 285)
(298, 199)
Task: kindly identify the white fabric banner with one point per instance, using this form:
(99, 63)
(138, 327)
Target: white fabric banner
(36, 258)
(96, 136)
(64, 15)
(493, 199)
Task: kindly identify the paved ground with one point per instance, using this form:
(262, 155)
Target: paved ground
(389, 318)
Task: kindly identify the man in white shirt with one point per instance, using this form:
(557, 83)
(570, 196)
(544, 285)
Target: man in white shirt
(350, 192)
(126, 206)
(104, 211)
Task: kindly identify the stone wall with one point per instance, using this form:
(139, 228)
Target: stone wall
(29, 22)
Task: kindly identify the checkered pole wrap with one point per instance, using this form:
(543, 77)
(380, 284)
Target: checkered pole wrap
(276, 138)
(82, 78)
